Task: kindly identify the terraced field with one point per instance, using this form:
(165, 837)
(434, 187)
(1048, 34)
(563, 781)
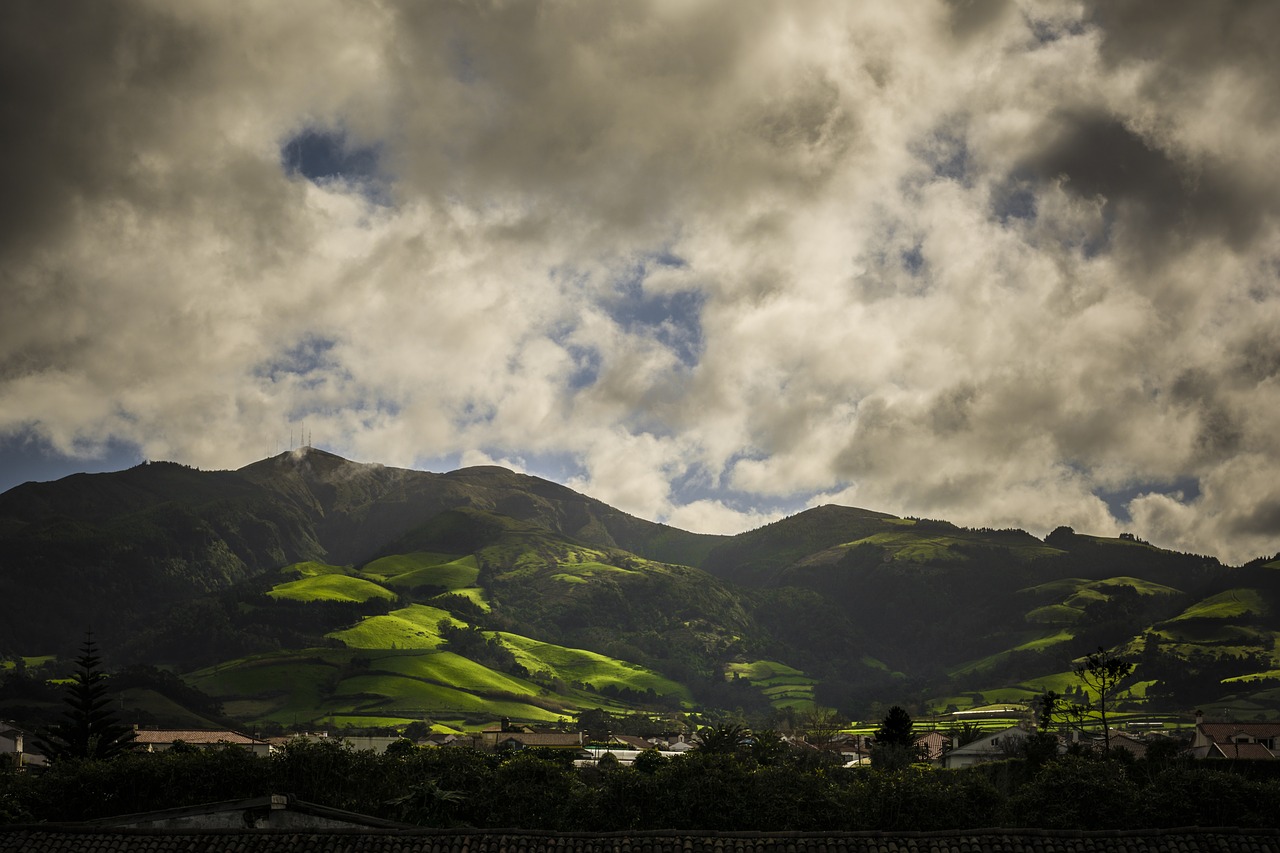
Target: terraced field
(786, 687)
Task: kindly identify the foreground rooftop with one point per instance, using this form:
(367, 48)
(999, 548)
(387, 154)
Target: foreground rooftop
(56, 839)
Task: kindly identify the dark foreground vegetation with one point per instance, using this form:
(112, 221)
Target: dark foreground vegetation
(774, 790)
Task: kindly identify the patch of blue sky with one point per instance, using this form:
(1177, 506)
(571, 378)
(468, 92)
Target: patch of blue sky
(698, 483)
(1014, 199)
(27, 456)
(694, 486)
(1047, 32)
(587, 362)
(1182, 489)
(945, 153)
(913, 259)
(328, 156)
(308, 357)
(673, 318)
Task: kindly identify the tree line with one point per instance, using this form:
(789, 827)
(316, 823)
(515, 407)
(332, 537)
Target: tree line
(746, 786)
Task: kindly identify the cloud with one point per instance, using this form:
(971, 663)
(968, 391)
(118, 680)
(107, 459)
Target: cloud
(976, 260)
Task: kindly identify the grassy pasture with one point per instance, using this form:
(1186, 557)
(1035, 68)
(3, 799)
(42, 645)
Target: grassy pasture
(1041, 643)
(311, 568)
(1054, 614)
(1059, 588)
(909, 546)
(415, 570)
(1231, 604)
(592, 568)
(579, 665)
(412, 627)
(785, 686)
(330, 587)
(449, 668)
(399, 693)
(476, 595)
(1076, 593)
(283, 687)
(1036, 643)
(1253, 676)
(385, 568)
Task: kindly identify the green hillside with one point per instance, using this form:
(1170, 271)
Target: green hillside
(307, 587)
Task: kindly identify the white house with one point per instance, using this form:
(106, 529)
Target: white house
(992, 746)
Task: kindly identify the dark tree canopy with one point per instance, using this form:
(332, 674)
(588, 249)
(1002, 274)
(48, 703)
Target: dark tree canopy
(88, 729)
(896, 728)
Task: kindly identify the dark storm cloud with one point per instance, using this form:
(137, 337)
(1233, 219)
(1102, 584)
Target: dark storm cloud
(1190, 37)
(80, 84)
(1155, 199)
(926, 249)
(970, 17)
(1262, 520)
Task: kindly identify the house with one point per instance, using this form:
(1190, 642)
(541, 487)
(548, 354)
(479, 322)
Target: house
(1129, 743)
(631, 742)
(992, 746)
(1256, 741)
(15, 747)
(162, 740)
(931, 746)
(528, 740)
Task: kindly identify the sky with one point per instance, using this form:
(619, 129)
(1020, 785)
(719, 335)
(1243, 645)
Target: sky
(1009, 263)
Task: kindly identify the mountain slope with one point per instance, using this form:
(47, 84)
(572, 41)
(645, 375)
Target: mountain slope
(278, 584)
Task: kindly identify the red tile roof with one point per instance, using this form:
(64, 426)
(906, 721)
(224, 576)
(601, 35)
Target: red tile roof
(1223, 732)
(55, 839)
(193, 737)
(1244, 751)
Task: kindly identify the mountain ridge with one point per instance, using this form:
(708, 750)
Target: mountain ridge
(184, 568)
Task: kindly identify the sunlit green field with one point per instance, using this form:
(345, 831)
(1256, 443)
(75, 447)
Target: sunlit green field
(579, 665)
(414, 627)
(330, 587)
(1231, 604)
(784, 685)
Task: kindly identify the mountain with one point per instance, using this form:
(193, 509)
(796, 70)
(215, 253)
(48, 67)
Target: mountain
(107, 549)
(306, 587)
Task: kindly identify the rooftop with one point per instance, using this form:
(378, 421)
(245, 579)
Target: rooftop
(56, 839)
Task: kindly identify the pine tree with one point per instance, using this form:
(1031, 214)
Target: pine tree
(895, 745)
(88, 729)
(896, 728)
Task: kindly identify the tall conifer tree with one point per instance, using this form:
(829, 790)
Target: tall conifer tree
(88, 729)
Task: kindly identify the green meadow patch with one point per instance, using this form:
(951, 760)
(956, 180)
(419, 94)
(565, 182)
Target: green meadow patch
(330, 587)
(414, 627)
(784, 685)
(389, 693)
(451, 669)
(581, 666)
(1054, 614)
(410, 571)
(385, 568)
(1231, 604)
(311, 568)
(285, 687)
